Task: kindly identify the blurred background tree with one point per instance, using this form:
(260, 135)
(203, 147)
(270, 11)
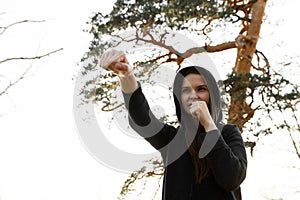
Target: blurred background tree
(257, 97)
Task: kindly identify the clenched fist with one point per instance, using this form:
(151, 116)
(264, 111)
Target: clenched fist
(116, 61)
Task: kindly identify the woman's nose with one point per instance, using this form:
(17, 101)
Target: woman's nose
(194, 95)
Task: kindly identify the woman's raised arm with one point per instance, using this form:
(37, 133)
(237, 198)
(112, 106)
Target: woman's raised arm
(117, 62)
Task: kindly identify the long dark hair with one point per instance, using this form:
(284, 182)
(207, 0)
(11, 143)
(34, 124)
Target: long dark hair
(195, 134)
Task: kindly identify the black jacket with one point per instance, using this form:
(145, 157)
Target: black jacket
(227, 159)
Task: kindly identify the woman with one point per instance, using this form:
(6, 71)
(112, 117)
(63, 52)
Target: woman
(203, 159)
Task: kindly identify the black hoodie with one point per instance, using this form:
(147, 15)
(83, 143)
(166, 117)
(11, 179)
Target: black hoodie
(227, 159)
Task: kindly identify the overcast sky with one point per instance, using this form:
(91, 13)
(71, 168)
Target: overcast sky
(41, 154)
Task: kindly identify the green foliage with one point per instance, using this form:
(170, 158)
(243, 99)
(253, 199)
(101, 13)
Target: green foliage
(154, 168)
(272, 96)
(262, 85)
(142, 16)
(157, 13)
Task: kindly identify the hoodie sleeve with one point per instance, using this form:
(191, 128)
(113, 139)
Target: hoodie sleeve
(143, 121)
(228, 159)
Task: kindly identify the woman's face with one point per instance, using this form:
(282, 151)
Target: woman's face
(193, 89)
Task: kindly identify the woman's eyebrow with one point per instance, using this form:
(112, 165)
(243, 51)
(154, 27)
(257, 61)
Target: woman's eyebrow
(188, 86)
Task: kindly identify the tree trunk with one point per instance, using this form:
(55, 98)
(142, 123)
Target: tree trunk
(240, 112)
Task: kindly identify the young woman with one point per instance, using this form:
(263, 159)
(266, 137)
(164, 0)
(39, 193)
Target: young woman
(203, 159)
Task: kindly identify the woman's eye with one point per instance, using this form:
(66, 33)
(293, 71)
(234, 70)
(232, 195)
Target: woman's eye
(185, 90)
(202, 89)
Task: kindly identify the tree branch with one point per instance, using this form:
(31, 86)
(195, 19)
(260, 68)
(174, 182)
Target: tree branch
(180, 56)
(292, 139)
(191, 51)
(209, 49)
(15, 82)
(30, 58)
(157, 43)
(26, 71)
(4, 28)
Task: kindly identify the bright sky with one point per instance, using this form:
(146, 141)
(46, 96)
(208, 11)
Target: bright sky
(40, 151)
(42, 157)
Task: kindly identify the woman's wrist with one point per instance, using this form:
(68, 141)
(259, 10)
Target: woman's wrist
(127, 74)
(210, 126)
(128, 82)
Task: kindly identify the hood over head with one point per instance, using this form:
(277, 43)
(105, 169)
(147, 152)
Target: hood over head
(215, 98)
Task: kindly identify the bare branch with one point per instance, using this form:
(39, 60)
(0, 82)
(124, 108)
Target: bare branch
(30, 58)
(106, 109)
(191, 51)
(26, 71)
(292, 139)
(4, 28)
(15, 82)
(157, 43)
(209, 49)
(180, 56)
